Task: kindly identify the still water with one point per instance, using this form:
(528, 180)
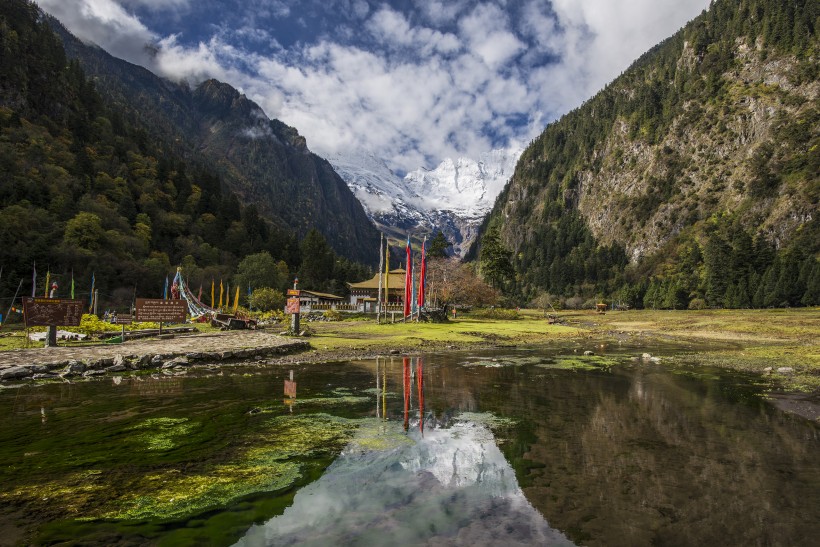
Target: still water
(504, 447)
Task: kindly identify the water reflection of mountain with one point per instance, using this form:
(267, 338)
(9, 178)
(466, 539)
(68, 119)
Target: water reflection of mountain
(450, 487)
(655, 458)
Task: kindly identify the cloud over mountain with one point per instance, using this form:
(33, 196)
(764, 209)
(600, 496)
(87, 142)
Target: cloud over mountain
(413, 81)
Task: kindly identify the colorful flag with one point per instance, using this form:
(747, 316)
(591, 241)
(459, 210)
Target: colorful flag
(212, 292)
(165, 292)
(48, 282)
(34, 281)
(221, 289)
(200, 293)
(236, 300)
(422, 275)
(408, 280)
(72, 284)
(91, 295)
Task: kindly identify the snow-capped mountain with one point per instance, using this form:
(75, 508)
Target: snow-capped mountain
(452, 198)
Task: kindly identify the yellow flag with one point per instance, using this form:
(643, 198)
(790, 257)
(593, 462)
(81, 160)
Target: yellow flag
(48, 281)
(236, 300)
(212, 292)
(220, 294)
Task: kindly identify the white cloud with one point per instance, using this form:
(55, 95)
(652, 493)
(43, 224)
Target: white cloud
(450, 78)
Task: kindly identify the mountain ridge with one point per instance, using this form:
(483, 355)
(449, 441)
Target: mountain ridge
(657, 182)
(264, 161)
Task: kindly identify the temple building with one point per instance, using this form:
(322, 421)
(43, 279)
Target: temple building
(364, 294)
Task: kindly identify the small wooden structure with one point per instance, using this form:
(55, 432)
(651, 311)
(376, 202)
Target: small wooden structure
(600, 307)
(232, 322)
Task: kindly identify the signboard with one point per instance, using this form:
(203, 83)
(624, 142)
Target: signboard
(123, 320)
(161, 311)
(45, 312)
(294, 292)
(293, 305)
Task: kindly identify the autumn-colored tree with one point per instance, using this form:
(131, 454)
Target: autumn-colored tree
(451, 282)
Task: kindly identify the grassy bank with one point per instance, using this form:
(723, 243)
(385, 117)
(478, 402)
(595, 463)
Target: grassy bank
(759, 341)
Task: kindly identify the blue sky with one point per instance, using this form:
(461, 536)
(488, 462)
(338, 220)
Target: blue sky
(413, 81)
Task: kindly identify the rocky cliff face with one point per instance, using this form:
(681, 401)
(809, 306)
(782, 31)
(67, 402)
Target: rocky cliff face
(719, 121)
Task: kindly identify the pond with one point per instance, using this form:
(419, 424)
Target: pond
(502, 447)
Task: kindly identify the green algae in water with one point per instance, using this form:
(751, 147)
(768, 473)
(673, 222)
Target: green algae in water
(486, 418)
(505, 362)
(376, 435)
(163, 434)
(271, 465)
(580, 362)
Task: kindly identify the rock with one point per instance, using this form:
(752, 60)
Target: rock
(394, 352)
(15, 373)
(157, 360)
(176, 362)
(116, 368)
(119, 360)
(785, 370)
(105, 362)
(45, 376)
(646, 356)
(255, 410)
(97, 372)
(38, 368)
(74, 367)
(767, 369)
(588, 352)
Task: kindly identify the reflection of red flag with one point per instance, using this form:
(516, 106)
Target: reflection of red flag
(420, 387)
(408, 281)
(422, 276)
(406, 392)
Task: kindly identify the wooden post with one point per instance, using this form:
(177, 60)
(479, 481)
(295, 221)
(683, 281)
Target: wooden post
(379, 296)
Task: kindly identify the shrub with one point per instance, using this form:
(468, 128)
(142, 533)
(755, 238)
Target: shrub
(697, 304)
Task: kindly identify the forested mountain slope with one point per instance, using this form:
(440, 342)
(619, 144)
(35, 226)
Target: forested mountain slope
(265, 162)
(87, 188)
(691, 179)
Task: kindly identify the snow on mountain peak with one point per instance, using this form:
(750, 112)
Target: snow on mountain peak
(452, 198)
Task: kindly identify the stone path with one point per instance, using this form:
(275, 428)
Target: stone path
(177, 352)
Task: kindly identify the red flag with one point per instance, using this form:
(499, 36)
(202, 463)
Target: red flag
(408, 281)
(420, 387)
(406, 365)
(422, 276)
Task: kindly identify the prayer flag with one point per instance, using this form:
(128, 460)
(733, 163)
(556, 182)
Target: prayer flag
(34, 281)
(221, 289)
(48, 281)
(408, 280)
(236, 300)
(422, 276)
(91, 295)
(212, 292)
(72, 284)
(165, 292)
